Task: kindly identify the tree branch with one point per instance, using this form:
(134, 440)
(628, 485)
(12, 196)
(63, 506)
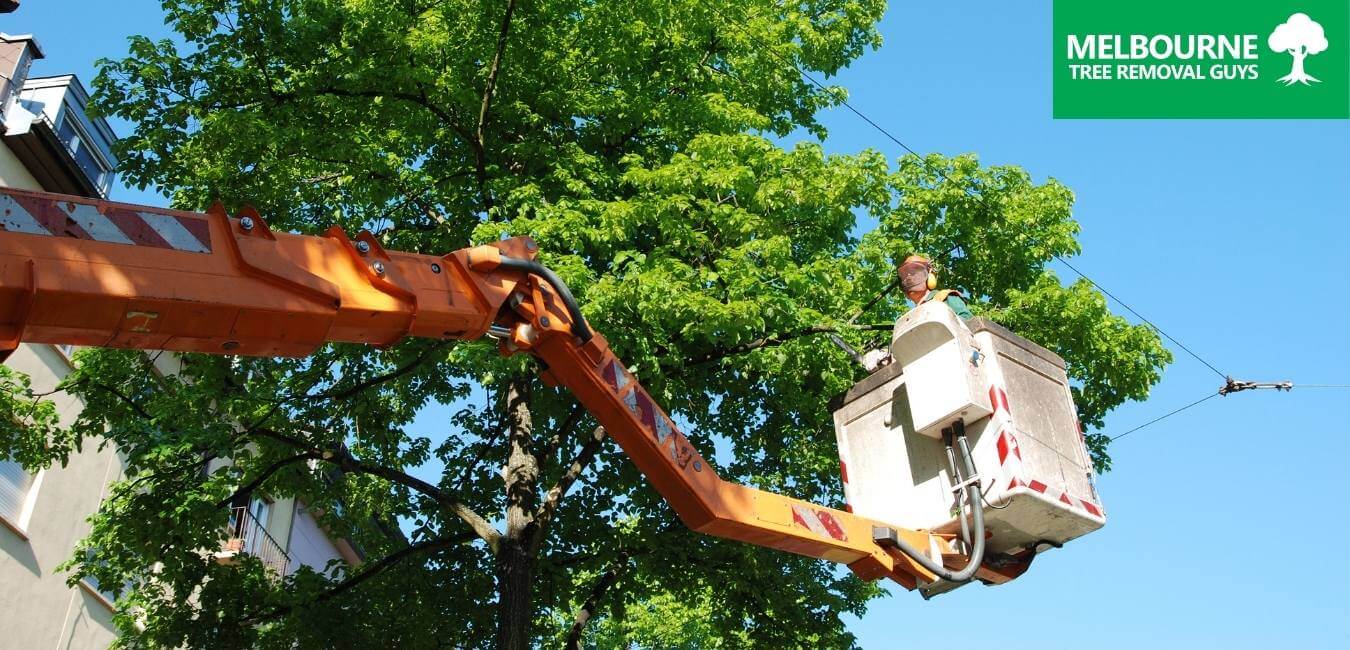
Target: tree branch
(717, 354)
(607, 580)
(135, 406)
(266, 474)
(194, 464)
(380, 379)
(489, 89)
(562, 432)
(348, 463)
(420, 98)
(371, 570)
(559, 490)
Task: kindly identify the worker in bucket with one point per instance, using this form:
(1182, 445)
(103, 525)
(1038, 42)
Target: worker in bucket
(919, 283)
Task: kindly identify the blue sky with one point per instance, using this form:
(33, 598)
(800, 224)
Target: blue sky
(1223, 521)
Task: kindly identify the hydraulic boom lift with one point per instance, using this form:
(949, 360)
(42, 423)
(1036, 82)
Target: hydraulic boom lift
(97, 273)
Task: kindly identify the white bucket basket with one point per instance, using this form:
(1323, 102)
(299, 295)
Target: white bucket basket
(1020, 420)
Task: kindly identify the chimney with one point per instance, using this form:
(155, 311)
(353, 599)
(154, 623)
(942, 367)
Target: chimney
(17, 54)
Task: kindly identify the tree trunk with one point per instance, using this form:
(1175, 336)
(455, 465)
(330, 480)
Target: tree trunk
(515, 564)
(515, 573)
(1297, 72)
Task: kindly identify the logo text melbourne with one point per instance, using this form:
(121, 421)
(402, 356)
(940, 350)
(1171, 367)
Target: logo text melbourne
(1163, 56)
(1201, 59)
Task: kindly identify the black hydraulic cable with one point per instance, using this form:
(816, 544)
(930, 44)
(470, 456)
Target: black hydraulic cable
(957, 479)
(977, 524)
(579, 327)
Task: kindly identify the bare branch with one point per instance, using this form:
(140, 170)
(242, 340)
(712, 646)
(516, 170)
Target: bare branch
(135, 406)
(194, 464)
(559, 490)
(322, 178)
(348, 463)
(607, 580)
(718, 354)
(561, 433)
(419, 99)
(370, 571)
(380, 379)
(266, 474)
(489, 89)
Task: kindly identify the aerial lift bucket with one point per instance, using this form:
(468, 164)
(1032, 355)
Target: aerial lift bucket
(1013, 397)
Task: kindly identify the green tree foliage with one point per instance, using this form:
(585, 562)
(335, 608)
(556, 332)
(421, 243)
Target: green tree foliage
(636, 142)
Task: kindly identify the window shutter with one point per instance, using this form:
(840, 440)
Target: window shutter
(14, 484)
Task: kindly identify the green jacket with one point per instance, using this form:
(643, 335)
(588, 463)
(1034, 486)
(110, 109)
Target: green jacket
(953, 299)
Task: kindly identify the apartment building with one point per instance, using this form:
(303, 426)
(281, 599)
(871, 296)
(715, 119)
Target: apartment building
(50, 143)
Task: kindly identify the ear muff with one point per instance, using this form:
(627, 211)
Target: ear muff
(932, 279)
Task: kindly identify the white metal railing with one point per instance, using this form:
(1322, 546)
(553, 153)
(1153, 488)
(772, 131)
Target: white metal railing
(245, 534)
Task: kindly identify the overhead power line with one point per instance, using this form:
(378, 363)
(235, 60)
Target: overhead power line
(1237, 385)
(1164, 417)
(1229, 386)
(1232, 386)
(966, 187)
(1141, 317)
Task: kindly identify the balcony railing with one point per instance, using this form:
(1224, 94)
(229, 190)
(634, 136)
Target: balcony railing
(244, 534)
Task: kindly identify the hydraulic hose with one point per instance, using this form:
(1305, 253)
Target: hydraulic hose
(958, 477)
(973, 496)
(579, 327)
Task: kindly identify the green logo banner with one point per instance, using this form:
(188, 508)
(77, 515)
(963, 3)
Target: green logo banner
(1202, 59)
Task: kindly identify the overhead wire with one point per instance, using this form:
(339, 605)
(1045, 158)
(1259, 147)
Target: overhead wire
(1164, 417)
(1141, 317)
(973, 193)
(1211, 396)
(943, 174)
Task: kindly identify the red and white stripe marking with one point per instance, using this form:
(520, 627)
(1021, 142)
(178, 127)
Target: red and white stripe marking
(1010, 456)
(615, 375)
(1007, 447)
(106, 223)
(843, 473)
(639, 403)
(998, 398)
(1006, 444)
(1064, 497)
(819, 522)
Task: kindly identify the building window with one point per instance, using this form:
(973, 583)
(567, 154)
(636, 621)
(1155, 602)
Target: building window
(248, 533)
(91, 583)
(72, 134)
(15, 485)
(261, 509)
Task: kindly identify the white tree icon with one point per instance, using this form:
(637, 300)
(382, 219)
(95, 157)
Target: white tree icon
(1299, 36)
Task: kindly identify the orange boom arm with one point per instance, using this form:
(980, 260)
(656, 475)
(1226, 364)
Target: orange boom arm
(96, 273)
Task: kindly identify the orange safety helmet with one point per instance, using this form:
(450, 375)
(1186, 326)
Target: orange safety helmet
(916, 274)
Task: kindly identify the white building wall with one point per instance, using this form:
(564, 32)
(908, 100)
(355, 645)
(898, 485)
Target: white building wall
(37, 609)
(309, 546)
